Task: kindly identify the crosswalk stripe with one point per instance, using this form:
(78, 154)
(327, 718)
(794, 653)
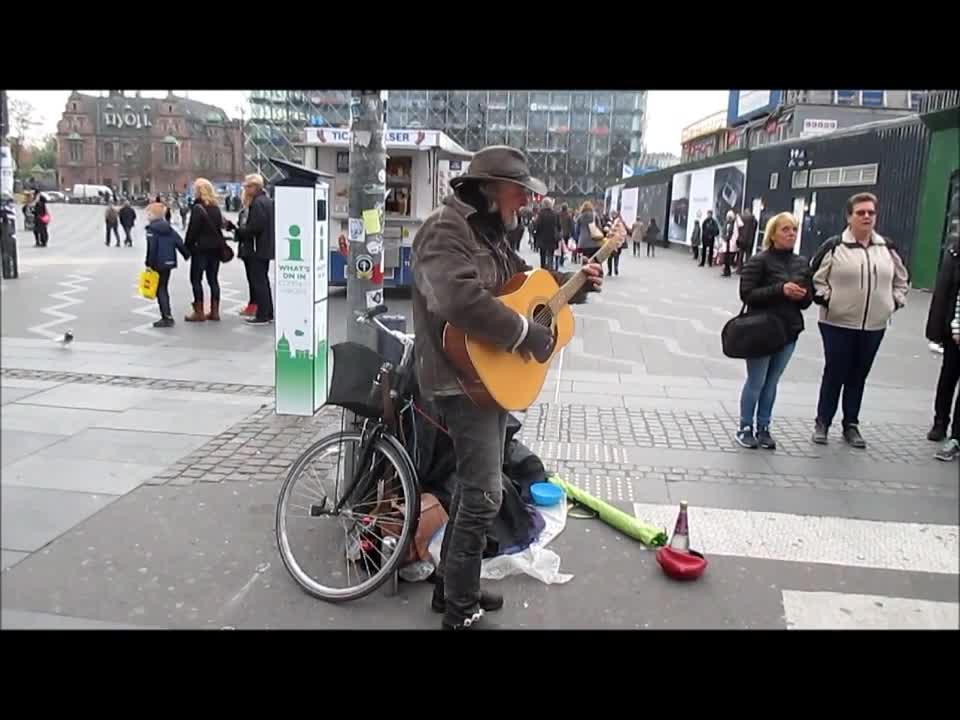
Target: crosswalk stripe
(850, 611)
(813, 539)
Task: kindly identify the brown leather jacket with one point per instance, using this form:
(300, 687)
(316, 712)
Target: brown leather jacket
(459, 261)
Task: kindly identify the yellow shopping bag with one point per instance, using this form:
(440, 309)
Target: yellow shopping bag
(148, 282)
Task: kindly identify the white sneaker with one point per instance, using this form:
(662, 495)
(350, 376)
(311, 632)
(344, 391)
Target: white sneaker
(936, 348)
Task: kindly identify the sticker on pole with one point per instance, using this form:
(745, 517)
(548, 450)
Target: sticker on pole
(371, 221)
(356, 230)
(364, 267)
(382, 176)
(374, 247)
(374, 298)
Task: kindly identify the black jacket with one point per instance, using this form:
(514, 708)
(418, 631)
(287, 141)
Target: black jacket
(205, 229)
(710, 230)
(163, 242)
(128, 216)
(256, 236)
(546, 230)
(747, 234)
(943, 305)
(762, 281)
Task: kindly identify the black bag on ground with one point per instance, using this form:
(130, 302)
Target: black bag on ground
(753, 334)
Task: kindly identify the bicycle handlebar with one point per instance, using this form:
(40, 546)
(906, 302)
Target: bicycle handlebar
(370, 318)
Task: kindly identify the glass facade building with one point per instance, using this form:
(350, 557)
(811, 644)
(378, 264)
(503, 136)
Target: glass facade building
(577, 140)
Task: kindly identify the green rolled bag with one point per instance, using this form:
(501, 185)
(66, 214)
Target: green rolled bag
(627, 524)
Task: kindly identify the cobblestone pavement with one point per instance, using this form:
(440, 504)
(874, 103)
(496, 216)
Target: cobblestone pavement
(891, 443)
(136, 382)
(263, 447)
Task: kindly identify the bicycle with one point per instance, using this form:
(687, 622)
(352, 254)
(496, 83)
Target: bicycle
(379, 507)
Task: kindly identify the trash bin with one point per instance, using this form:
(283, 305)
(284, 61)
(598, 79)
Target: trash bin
(388, 347)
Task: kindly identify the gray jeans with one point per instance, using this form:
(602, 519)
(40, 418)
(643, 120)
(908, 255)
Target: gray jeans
(478, 438)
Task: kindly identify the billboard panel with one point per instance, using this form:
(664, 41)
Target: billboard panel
(652, 203)
(718, 189)
(628, 205)
(745, 104)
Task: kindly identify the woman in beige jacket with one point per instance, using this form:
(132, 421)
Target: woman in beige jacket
(859, 282)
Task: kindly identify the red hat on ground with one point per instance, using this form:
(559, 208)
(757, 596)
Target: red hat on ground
(681, 565)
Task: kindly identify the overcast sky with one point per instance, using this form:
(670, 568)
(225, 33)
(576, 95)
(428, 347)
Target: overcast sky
(668, 111)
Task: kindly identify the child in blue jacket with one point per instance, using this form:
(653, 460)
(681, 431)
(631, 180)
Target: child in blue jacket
(163, 242)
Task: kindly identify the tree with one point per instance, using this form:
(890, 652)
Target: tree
(45, 155)
(21, 120)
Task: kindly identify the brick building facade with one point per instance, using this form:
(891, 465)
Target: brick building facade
(146, 145)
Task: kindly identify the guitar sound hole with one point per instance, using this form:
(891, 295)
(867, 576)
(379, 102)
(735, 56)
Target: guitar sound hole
(541, 314)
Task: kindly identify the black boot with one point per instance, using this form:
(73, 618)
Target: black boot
(488, 601)
(938, 433)
(477, 621)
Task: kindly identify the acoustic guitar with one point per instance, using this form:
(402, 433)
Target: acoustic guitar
(496, 378)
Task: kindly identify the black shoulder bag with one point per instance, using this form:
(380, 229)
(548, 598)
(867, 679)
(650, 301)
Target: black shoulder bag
(753, 334)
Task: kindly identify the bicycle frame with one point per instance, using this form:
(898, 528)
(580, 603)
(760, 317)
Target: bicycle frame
(383, 428)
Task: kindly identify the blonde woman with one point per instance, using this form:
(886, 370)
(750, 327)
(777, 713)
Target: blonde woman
(776, 281)
(204, 241)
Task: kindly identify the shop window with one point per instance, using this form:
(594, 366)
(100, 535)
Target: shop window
(844, 176)
(580, 121)
(873, 98)
(398, 186)
(538, 120)
(799, 179)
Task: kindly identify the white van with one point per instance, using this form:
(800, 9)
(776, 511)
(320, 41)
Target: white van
(91, 193)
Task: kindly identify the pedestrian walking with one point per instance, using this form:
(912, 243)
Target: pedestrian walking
(778, 282)
(943, 327)
(163, 243)
(546, 234)
(636, 236)
(205, 243)
(651, 237)
(41, 219)
(708, 236)
(184, 207)
(618, 231)
(859, 284)
(111, 219)
(128, 218)
(588, 232)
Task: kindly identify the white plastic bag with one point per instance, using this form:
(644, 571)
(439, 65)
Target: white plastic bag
(536, 561)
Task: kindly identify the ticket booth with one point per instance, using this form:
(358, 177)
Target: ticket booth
(301, 232)
(420, 165)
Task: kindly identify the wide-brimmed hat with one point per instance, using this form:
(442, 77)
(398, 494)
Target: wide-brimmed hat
(500, 163)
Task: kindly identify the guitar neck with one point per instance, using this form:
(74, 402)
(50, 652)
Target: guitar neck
(572, 286)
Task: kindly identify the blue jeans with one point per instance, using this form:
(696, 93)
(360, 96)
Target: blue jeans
(760, 390)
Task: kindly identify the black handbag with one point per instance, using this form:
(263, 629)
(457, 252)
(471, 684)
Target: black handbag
(753, 334)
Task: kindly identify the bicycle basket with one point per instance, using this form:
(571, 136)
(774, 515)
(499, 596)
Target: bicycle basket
(355, 369)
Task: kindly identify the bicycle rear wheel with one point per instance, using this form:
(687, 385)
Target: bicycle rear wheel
(348, 548)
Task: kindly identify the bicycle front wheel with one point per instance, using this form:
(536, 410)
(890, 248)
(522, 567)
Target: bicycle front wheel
(345, 555)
